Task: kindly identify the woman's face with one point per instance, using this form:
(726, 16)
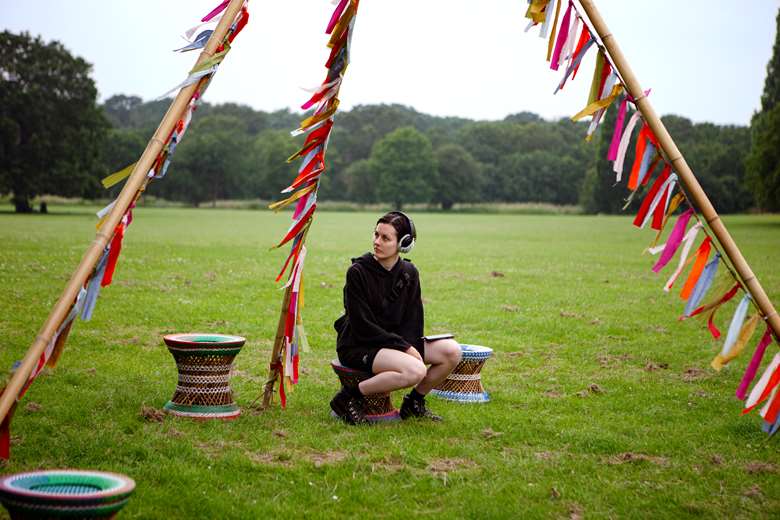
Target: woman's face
(385, 241)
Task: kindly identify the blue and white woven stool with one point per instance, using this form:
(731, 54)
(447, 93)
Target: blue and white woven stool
(464, 384)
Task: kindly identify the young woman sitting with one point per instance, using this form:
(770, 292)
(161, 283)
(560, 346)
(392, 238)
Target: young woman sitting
(381, 331)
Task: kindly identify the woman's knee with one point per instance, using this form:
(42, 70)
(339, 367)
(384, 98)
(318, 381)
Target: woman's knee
(414, 372)
(452, 352)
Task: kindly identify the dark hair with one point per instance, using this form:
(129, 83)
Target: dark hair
(398, 222)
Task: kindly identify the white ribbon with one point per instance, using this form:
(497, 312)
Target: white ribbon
(689, 238)
(617, 166)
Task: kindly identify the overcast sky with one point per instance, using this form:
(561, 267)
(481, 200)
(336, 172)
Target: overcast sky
(704, 59)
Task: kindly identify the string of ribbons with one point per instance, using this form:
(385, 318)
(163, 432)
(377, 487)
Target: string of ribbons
(704, 290)
(322, 107)
(103, 272)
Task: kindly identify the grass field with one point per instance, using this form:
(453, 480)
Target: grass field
(603, 404)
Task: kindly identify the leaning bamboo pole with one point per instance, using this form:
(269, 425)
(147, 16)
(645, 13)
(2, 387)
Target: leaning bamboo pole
(692, 186)
(276, 353)
(135, 183)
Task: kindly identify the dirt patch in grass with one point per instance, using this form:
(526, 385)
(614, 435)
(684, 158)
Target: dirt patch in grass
(510, 308)
(593, 389)
(32, 406)
(323, 458)
(547, 455)
(756, 467)
(652, 366)
(216, 448)
(389, 463)
(488, 433)
(694, 374)
(612, 360)
(629, 458)
(443, 466)
(150, 414)
(496, 274)
(283, 459)
(552, 394)
(753, 491)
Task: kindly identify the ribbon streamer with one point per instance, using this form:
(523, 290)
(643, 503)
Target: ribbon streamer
(688, 240)
(675, 237)
(766, 384)
(617, 166)
(702, 286)
(562, 34)
(118, 176)
(698, 266)
(755, 362)
(744, 335)
(93, 287)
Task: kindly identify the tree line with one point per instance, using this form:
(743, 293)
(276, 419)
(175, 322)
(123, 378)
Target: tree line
(55, 139)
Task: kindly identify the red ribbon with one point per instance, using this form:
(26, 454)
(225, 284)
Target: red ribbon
(645, 207)
(726, 297)
(297, 228)
(774, 379)
(113, 255)
(584, 37)
(242, 21)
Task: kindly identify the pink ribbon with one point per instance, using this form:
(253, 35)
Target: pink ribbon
(675, 237)
(562, 34)
(336, 15)
(752, 368)
(617, 134)
(214, 12)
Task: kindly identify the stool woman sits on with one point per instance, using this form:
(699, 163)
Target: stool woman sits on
(381, 331)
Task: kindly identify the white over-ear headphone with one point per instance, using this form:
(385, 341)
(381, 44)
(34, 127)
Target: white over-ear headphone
(406, 242)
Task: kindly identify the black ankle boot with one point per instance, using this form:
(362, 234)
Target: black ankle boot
(415, 407)
(349, 408)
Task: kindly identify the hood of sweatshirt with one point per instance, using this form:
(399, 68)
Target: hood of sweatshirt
(369, 262)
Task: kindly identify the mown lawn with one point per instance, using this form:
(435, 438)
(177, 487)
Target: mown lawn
(603, 404)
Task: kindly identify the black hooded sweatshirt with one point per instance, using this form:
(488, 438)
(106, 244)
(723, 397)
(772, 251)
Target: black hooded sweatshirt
(383, 309)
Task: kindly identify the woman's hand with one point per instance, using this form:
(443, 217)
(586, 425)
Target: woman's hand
(414, 353)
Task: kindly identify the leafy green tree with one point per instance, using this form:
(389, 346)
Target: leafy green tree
(460, 176)
(406, 167)
(362, 181)
(50, 126)
(270, 172)
(763, 161)
(209, 164)
(540, 176)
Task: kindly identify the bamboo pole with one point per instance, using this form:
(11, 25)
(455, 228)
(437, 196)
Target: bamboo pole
(692, 186)
(134, 183)
(273, 371)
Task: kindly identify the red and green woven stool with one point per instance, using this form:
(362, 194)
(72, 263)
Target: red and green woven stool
(379, 407)
(204, 362)
(65, 494)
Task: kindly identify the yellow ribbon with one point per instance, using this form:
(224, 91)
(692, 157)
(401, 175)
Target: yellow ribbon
(536, 11)
(744, 336)
(117, 177)
(600, 104)
(217, 58)
(313, 120)
(342, 24)
(276, 206)
(594, 85)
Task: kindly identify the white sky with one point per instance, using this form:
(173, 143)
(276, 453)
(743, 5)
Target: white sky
(704, 59)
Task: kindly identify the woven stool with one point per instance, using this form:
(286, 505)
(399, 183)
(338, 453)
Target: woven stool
(204, 362)
(65, 494)
(464, 384)
(379, 407)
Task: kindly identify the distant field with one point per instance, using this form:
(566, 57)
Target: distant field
(567, 302)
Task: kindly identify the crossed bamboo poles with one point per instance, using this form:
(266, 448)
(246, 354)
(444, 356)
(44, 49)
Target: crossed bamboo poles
(137, 181)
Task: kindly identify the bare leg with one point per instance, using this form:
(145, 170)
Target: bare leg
(443, 356)
(394, 369)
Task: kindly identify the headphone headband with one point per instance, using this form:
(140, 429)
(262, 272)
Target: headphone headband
(406, 242)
